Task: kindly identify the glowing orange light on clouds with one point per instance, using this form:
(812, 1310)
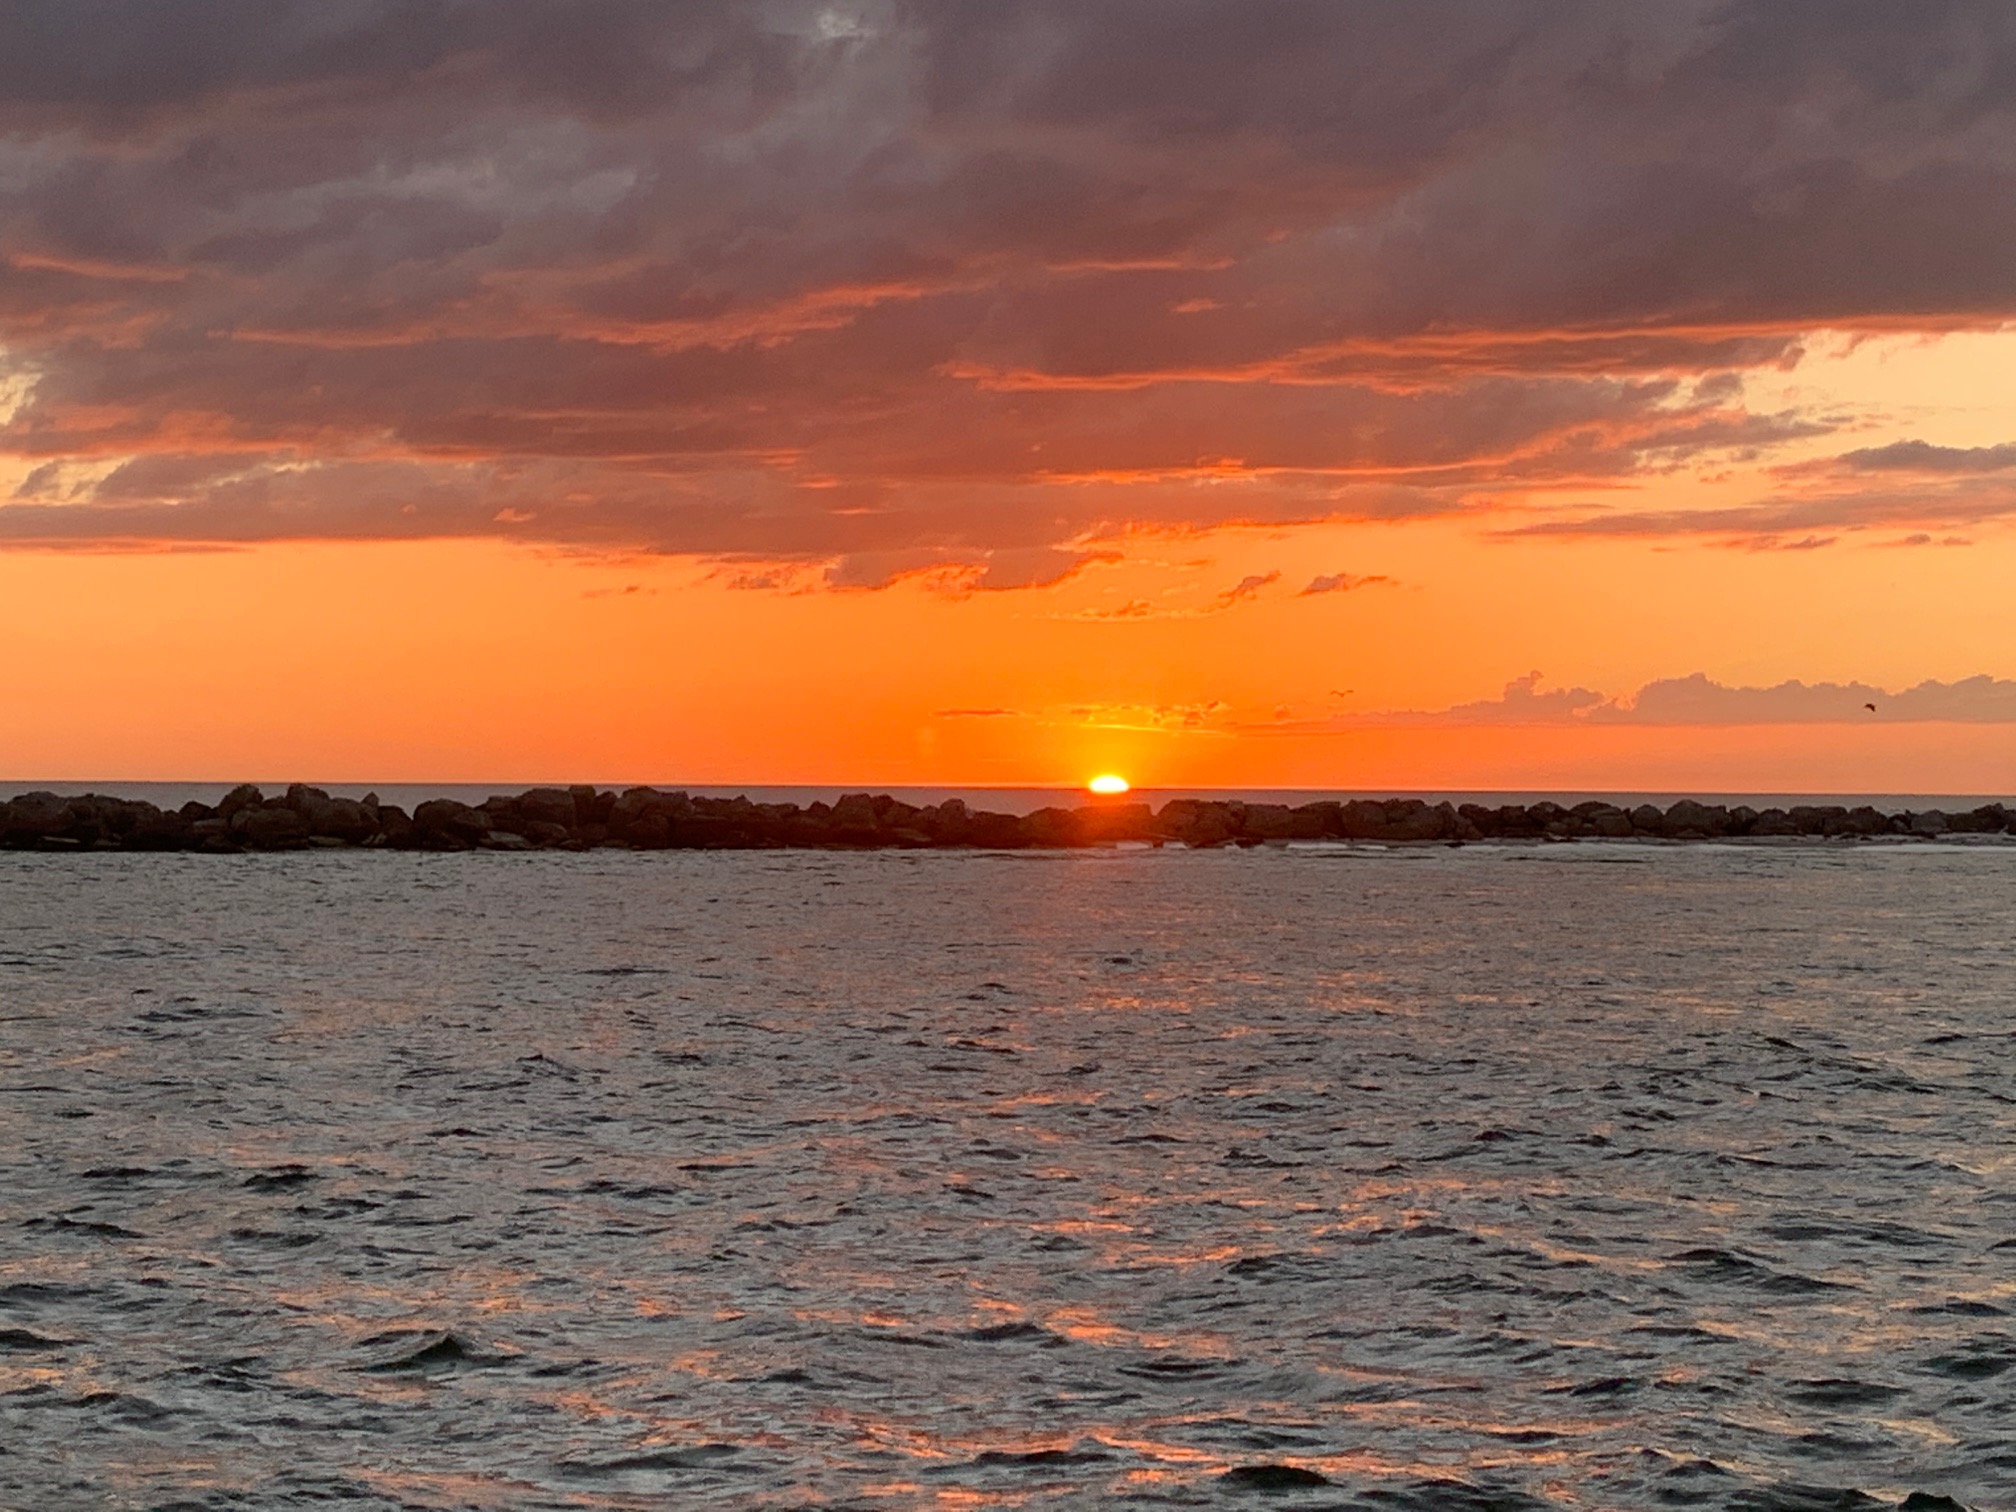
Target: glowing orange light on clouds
(1107, 785)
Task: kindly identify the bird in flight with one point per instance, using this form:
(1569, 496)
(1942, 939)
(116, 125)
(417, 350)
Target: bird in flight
(1870, 707)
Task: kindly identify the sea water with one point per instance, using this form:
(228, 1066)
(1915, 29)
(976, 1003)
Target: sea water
(1589, 1176)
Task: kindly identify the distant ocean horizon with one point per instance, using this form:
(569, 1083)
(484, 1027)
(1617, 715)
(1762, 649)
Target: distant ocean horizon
(1008, 800)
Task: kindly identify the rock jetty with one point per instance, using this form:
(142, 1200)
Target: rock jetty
(642, 818)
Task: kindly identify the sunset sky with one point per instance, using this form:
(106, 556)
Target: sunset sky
(1448, 393)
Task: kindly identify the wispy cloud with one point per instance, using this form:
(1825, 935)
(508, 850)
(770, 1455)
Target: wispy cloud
(1343, 582)
(1244, 591)
(1799, 521)
(1247, 587)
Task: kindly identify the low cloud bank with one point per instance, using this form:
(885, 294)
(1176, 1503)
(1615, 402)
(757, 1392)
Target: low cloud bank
(1699, 700)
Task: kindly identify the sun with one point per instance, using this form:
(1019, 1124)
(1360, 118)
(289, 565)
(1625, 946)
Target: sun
(1107, 785)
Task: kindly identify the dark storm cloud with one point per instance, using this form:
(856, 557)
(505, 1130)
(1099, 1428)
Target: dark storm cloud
(955, 281)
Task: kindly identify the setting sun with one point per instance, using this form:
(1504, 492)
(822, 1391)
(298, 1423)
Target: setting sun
(1107, 784)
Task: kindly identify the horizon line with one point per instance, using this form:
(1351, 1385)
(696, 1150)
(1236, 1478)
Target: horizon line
(503, 786)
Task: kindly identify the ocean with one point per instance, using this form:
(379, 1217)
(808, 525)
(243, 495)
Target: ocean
(1584, 1177)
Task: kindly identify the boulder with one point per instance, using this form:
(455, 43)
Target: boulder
(1989, 819)
(304, 799)
(555, 806)
(1402, 820)
(950, 823)
(890, 812)
(1049, 827)
(1604, 819)
(443, 823)
(1482, 821)
(1691, 820)
(1361, 819)
(1318, 821)
(650, 831)
(244, 796)
(396, 830)
(31, 817)
(855, 820)
(1197, 823)
(1411, 820)
(1818, 819)
(1108, 823)
(591, 807)
(1267, 821)
(1861, 821)
(272, 826)
(345, 820)
(96, 820)
(212, 836)
(1773, 821)
(158, 831)
(991, 831)
(644, 817)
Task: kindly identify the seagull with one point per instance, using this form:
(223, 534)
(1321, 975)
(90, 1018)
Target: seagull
(1870, 707)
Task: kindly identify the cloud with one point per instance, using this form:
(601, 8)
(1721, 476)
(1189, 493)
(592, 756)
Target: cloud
(1200, 718)
(1133, 609)
(1779, 543)
(1797, 521)
(1246, 588)
(1924, 457)
(1924, 538)
(1698, 700)
(976, 714)
(1342, 582)
(1522, 703)
(889, 287)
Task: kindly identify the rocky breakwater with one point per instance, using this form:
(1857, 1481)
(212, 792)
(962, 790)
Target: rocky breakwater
(585, 818)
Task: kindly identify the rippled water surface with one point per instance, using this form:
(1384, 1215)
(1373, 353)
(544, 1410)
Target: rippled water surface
(1584, 1176)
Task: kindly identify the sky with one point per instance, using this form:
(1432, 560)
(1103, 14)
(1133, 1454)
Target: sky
(1525, 394)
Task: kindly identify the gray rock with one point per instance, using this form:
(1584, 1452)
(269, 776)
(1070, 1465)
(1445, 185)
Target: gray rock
(554, 806)
(244, 796)
(442, 822)
(269, 827)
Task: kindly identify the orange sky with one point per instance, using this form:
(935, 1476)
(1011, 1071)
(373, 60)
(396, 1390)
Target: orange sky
(856, 394)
